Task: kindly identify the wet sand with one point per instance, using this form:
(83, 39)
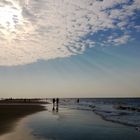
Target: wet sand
(11, 114)
(68, 124)
(73, 124)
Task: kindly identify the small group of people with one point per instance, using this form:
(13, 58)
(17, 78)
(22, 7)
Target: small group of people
(55, 104)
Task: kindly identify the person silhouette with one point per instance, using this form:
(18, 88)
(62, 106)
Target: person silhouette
(53, 104)
(78, 100)
(57, 104)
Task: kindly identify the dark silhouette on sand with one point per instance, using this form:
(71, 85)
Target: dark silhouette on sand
(55, 104)
(53, 100)
(78, 100)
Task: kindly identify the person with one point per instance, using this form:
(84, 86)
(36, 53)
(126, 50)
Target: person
(57, 101)
(53, 103)
(78, 100)
(57, 104)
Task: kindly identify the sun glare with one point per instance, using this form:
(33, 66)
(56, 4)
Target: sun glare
(9, 17)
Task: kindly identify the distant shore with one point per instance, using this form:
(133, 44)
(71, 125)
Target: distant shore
(11, 113)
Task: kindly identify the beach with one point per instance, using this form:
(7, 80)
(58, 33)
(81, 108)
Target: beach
(71, 121)
(84, 120)
(69, 69)
(10, 114)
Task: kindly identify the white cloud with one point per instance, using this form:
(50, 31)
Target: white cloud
(121, 40)
(48, 29)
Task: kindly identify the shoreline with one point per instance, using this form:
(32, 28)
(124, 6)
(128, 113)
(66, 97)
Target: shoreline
(114, 121)
(107, 114)
(11, 114)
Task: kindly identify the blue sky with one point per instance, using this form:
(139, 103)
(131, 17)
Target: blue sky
(90, 50)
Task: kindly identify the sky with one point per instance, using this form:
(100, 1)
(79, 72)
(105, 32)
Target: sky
(69, 48)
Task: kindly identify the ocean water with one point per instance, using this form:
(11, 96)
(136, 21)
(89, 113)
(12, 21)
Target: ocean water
(127, 101)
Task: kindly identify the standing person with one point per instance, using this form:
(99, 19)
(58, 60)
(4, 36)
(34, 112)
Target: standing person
(53, 103)
(57, 104)
(78, 100)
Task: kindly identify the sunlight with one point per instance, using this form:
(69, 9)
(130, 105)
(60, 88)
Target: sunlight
(9, 17)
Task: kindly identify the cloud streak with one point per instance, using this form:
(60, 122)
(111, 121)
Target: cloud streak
(49, 29)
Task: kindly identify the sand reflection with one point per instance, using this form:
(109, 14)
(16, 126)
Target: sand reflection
(11, 114)
(21, 132)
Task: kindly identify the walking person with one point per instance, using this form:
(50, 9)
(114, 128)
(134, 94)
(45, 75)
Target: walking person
(53, 104)
(57, 104)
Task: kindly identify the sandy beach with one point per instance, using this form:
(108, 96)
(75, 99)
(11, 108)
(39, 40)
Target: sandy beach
(11, 114)
(72, 121)
(65, 124)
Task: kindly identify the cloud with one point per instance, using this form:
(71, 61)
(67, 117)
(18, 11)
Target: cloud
(47, 29)
(119, 40)
(5, 2)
